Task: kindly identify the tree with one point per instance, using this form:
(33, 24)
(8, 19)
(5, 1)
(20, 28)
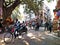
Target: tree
(34, 6)
(58, 5)
(10, 5)
(50, 0)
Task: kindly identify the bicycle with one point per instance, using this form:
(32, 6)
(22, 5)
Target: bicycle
(9, 36)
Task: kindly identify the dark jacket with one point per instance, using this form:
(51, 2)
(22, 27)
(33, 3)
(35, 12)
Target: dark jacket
(46, 24)
(1, 25)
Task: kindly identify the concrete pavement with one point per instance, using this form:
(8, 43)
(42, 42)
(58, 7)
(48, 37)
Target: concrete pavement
(34, 38)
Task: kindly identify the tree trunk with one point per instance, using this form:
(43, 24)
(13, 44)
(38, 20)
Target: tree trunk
(7, 11)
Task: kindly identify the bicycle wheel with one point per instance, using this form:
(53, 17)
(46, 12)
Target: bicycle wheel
(8, 37)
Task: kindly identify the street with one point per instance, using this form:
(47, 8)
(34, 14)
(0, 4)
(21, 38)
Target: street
(16, 15)
(34, 38)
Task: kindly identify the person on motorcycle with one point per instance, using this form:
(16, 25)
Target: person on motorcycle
(37, 26)
(17, 27)
(17, 24)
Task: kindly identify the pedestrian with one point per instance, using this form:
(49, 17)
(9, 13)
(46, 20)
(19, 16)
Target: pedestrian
(50, 26)
(46, 25)
(37, 26)
(33, 24)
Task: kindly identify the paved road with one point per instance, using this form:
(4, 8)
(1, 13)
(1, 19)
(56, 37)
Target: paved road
(34, 38)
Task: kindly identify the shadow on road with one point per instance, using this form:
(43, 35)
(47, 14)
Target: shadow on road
(33, 38)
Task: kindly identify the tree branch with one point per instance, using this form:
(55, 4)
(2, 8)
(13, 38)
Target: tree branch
(16, 3)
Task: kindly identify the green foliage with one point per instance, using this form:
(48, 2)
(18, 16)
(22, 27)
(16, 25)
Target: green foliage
(50, 0)
(31, 5)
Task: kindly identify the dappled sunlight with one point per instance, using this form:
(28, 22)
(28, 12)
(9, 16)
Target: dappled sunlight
(2, 41)
(3, 44)
(36, 35)
(51, 34)
(42, 37)
(7, 39)
(39, 35)
(20, 37)
(33, 36)
(36, 38)
(26, 42)
(30, 35)
(46, 33)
